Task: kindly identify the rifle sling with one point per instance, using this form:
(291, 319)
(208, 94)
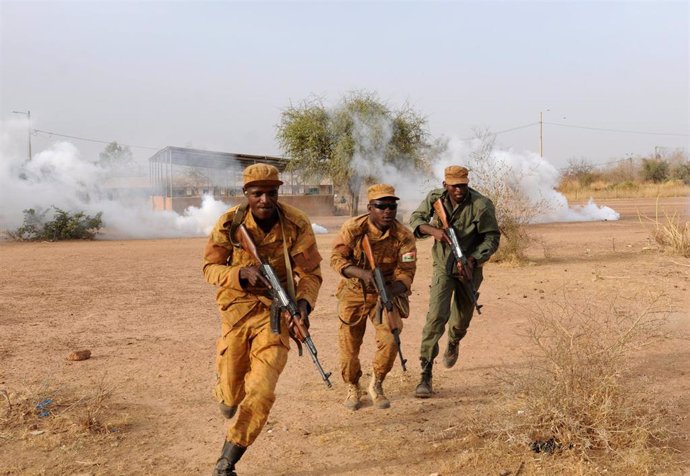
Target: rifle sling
(286, 255)
(236, 222)
(290, 277)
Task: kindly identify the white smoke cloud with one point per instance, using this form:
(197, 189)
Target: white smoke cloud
(532, 175)
(368, 159)
(59, 176)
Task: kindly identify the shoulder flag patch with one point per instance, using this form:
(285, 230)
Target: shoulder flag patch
(409, 257)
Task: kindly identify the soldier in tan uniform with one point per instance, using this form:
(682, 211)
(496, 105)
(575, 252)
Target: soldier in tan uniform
(394, 250)
(249, 356)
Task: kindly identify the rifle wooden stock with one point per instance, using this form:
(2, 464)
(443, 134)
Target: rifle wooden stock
(460, 259)
(248, 244)
(386, 301)
(298, 331)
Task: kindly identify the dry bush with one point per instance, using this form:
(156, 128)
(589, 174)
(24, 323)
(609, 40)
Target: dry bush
(599, 185)
(626, 171)
(58, 410)
(578, 398)
(569, 186)
(515, 209)
(669, 232)
(577, 401)
(514, 242)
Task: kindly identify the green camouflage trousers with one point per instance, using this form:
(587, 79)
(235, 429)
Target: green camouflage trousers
(449, 302)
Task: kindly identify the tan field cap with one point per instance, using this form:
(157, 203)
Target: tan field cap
(381, 190)
(455, 175)
(261, 174)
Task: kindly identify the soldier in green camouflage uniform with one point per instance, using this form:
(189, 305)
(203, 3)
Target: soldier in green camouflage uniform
(474, 218)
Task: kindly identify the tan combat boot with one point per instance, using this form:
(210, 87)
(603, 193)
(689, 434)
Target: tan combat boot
(353, 394)
(376, 393)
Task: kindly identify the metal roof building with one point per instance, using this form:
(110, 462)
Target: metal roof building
(181, 176)
(163, 163)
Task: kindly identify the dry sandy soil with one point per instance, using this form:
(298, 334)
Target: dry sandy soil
(145, 312)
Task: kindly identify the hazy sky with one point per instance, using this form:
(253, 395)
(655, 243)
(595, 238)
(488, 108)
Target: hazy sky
(216, 75)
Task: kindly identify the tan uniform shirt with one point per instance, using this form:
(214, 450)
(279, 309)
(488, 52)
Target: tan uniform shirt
(222, 261)
(394, 251)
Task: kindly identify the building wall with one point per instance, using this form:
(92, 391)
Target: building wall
(318, 205)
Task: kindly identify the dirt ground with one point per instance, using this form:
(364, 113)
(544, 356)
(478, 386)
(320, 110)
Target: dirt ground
(149, 319)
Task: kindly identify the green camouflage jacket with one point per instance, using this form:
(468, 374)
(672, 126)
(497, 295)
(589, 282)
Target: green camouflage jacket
(474, 220)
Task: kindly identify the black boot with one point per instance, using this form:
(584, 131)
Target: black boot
(451, 354)
(231, 454)
(423, 390)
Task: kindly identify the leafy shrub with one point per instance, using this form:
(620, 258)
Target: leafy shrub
(655, 170)
(62, 225)
(681, 171)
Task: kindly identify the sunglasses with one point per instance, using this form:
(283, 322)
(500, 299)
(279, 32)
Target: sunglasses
(385, 206)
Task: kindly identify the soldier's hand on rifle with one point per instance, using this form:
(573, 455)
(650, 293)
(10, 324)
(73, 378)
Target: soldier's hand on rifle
(364, 274)
(304, 309)
(251, 274)
(437, 233)
(397, 288)
(466, 272)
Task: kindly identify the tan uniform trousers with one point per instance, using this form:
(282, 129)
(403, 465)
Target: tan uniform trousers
(354, 313)
(249, 361)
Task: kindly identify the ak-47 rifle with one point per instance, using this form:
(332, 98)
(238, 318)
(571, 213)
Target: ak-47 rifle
(386, 301)
(460, 259)
(268, 277)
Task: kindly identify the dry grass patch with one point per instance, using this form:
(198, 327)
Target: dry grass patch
(626, 189)
(669, 232)
(576, 407)
(70, 413)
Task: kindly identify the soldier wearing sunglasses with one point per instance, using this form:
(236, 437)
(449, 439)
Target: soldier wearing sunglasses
(474, 218)
(393, 246)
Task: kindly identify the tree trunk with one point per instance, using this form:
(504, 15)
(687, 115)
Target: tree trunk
(354, 203)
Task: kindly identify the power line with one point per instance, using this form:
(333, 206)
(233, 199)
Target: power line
(525, 126)
(616, 130)
(516, 128)
(39, 131)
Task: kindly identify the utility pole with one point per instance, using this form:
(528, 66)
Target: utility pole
(541, 134)
(28, 117)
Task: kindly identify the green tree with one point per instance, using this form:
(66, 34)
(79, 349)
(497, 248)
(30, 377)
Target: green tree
(353, 142)
(115, 154)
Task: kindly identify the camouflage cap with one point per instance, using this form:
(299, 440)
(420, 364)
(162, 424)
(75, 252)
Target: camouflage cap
(261, 174)
(455, 175)
(381, 190)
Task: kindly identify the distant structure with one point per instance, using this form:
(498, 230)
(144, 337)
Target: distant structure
(180, 177)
